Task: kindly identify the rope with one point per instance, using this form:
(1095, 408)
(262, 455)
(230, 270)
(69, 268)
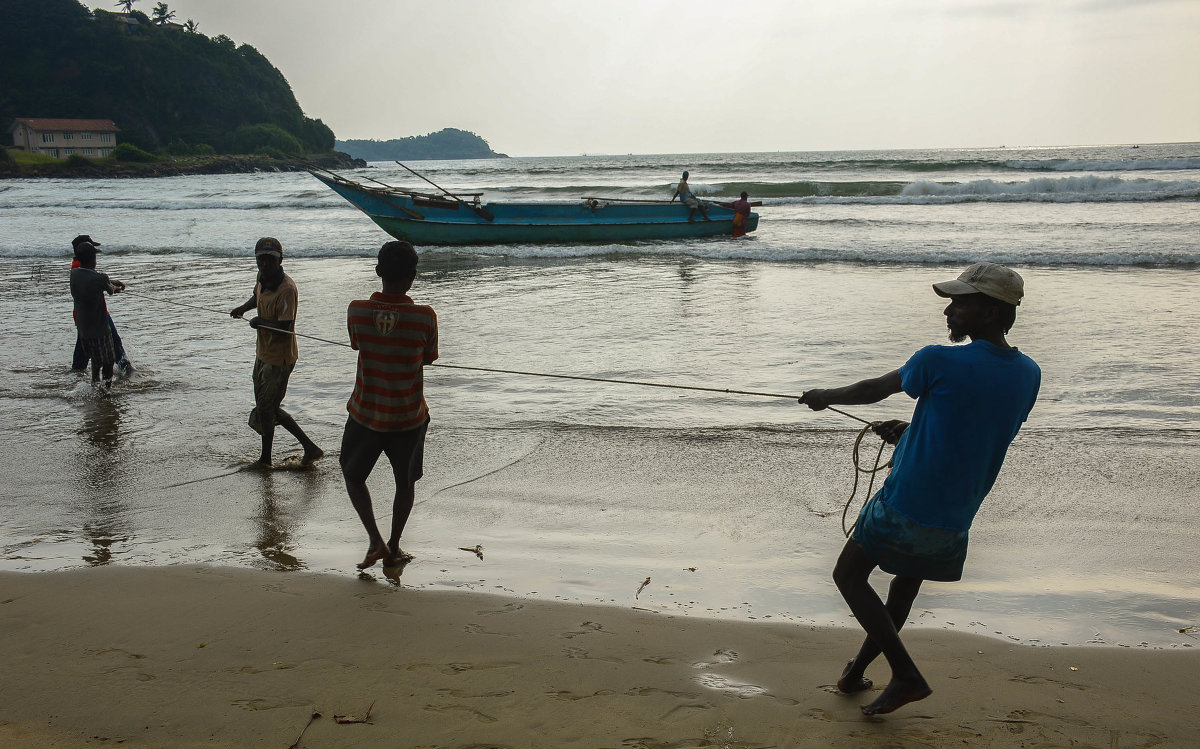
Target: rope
(641, 383)
(859, 469)
(867, 425)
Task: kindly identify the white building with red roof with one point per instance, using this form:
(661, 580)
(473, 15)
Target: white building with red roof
(61, 138)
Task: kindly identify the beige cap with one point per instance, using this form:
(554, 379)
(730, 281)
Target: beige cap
(992, 279)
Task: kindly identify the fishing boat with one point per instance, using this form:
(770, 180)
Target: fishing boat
(461, 218)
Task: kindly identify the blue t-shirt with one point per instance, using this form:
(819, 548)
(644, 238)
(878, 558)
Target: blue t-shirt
(971, 401)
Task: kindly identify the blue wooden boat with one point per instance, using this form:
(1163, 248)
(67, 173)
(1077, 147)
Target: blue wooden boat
(448, 218)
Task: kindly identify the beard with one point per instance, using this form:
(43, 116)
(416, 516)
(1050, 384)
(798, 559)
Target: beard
(271, 281)
(956, 336)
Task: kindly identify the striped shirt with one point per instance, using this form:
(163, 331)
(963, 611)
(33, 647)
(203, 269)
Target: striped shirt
(394, 338)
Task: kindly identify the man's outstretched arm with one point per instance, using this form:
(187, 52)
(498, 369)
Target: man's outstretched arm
(863, 391)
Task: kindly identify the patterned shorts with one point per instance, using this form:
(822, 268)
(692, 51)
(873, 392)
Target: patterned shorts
(901, 547)
(100, 348)
(270, 385)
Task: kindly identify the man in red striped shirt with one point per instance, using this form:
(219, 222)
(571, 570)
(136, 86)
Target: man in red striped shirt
(394, 338)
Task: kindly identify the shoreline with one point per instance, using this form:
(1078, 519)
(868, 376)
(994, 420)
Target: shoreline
(173, 166)
(184, 656)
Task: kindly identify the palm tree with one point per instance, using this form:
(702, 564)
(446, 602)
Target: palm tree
(162, 14)
(191, 26)
(127, 5)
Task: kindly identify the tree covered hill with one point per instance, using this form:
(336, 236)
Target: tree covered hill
(163, 85)
(449, 143)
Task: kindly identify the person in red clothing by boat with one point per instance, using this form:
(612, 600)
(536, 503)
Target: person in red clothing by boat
(395, 338)
(741, 215)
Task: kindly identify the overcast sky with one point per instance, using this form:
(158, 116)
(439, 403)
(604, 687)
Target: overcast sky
(545, 78)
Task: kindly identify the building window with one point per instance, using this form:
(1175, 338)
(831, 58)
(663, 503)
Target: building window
(106, 137)
(68, 151)
(47, 137)
(85, 136)
(50, 152)
(89, 152)
(104, 152)
(68, 136)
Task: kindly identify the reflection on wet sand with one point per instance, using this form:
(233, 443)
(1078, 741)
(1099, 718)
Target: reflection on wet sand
(100, 480)
(285, 502)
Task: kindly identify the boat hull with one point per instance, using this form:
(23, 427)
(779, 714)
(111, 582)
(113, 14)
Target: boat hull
(440, 221)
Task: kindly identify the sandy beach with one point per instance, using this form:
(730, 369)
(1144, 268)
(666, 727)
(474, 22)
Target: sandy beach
(191, 656)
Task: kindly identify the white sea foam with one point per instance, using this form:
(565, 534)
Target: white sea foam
(1083, 165)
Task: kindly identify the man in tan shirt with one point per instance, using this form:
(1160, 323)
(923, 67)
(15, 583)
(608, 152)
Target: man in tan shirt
(276, 298)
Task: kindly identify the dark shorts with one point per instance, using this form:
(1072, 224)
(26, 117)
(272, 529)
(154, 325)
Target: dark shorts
(361, 447)
(902, 547)
(99, 348)
(270, 385)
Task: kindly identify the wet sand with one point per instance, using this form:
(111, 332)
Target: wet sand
(189, 656)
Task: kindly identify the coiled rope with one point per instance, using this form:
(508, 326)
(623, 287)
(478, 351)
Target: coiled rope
(867, 425)
(858, 469)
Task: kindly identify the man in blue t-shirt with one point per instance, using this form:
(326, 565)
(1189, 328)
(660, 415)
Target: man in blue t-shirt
(971, 401)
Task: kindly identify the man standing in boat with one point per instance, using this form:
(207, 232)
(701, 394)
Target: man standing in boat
(684, 193)
(275, 352)
(395, 338)
(971, 401)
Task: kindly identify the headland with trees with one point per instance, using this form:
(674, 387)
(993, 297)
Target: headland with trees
(184, 102)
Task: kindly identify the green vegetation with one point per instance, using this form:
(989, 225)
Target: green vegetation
(130, 152)
(160, 85)
(24, 158)
(450, 143)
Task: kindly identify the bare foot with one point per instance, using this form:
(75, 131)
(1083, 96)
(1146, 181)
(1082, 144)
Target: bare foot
(373, 556)
(850, 685)
(897, 694)
(312, 456)
(397, 559)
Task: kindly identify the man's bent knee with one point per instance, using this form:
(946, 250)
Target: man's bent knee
(853, 566)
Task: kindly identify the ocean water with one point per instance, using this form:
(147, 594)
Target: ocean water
(580, 490)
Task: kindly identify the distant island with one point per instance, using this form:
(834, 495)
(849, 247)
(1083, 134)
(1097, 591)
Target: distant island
(449, 143)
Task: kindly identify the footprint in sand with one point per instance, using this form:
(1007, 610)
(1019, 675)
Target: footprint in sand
(460, 694)
(481, 717)
(1044, 680)
(456, 668)
(262, 704)
(508, 609)
(647, 691)
(720, 683)
(572, 697)
(583, 654)
(720, 656)
(476, 629)
(587, 628)
(117, 651)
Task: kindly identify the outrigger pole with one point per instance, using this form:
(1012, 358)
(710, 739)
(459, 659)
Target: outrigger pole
(485, 213)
